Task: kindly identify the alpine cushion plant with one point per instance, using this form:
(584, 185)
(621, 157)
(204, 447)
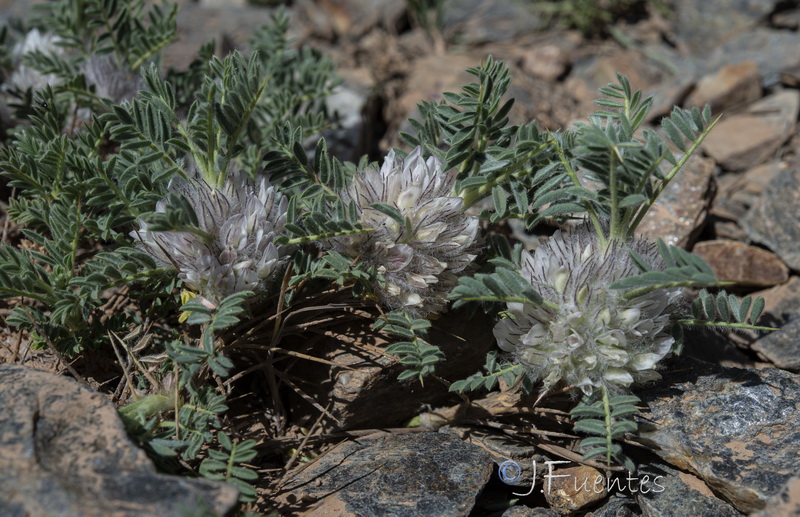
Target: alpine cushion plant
(419, 238)
(121, 221)
(595, 308)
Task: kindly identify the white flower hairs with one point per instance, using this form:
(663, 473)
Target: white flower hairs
(233, 248)
(589, 335)
(420, 237)
(25, 76)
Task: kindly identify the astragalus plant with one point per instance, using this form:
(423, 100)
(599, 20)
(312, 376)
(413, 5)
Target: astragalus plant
(418, 237)
(182, 225)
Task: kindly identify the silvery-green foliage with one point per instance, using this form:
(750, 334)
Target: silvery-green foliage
(230, 248)
(419, 238)
(586, 334)
(89, 48)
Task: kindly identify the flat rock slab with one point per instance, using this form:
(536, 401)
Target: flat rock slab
(431, 474)
(734, 428)
(672, 493)
(703, 25)
(785, 503)
(782, 347)
(775, 220)
(772, 50)
(782, 310)
(730, 87)
(64, 451)
(737, 262)
(681, 210)
(749, 138)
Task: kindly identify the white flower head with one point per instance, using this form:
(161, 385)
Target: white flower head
(234, 250)
(595, 337)
(111, 79)
(24, 76)
(420, 258)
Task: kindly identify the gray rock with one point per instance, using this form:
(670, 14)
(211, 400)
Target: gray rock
(775, 220)
(781, 346)
(702, 26)
(772, 50)
(481, 21)
(734, 428)
(737, 193)
(658, 71)
(524, 511)
(618, 505)
(782, 310)
(64, 451)
(431, 474)
(673, 493)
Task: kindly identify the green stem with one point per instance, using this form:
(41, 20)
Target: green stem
(593, 217)
(475, 194)
(635, 293)
(239, 128)
(612, 187)
(722, 324)
(663, 185)
(607, 411)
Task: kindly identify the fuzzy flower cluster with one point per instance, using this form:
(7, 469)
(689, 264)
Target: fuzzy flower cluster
(111, 79)
(595, 337)
(233, 249)
(420, 258)
(25, 76)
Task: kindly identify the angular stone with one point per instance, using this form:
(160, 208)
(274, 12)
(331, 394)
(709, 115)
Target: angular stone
(782, 347)
(472, 22)
(775, 220)
(64, 451)
(737, 193)
(749, 138)
(347, 19)
(679, 214)
(229, 26)
(730, 87)
(524, 511)
(746, 265)
(431, 474)
(422, 83)
(547, 62)
(790, 76)
(575, 488)
(772, 50)
(704, 25)
(592, 73)
(672, 493)
(782, 302)
(785, 503)
(782, 310)
(734, 428)
(617, 505)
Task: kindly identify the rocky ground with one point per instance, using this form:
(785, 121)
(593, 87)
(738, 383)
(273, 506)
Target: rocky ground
(722, 423)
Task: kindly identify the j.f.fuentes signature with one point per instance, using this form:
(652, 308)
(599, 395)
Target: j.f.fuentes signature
(510, 472)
